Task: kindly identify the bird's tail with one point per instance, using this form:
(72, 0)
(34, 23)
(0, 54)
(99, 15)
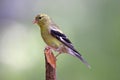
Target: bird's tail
(79, 56)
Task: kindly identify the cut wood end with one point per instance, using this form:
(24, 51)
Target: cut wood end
(51, 59)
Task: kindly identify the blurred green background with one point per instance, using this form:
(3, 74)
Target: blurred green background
(92, 25)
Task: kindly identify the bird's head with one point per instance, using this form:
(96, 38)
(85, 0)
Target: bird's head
(42, 19)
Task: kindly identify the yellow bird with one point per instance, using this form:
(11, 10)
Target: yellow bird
(55, 38)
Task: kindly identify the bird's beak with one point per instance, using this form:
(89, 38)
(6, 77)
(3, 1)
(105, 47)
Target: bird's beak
(35, 21)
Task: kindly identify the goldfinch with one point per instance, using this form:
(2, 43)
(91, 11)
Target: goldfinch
(55, 38)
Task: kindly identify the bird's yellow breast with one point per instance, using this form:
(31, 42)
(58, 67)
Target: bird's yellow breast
(49, 39)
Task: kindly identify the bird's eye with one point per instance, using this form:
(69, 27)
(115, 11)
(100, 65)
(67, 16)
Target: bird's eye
(39, 17)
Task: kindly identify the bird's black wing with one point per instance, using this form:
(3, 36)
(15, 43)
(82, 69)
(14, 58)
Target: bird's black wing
(62, 38)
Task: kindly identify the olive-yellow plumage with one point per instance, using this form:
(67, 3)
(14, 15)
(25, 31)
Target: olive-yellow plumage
(55, 38)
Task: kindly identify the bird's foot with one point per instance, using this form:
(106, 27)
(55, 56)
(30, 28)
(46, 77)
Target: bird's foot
(47, 48)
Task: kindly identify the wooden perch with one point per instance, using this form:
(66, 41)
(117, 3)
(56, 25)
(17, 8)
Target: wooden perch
(50, 63)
